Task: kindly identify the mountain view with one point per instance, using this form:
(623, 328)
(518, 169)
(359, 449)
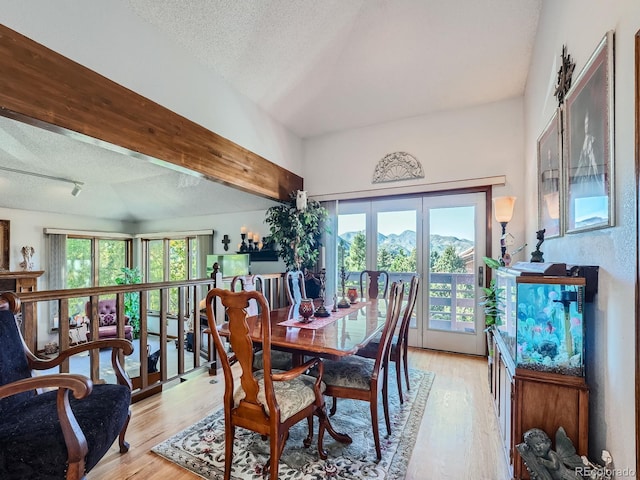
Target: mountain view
(407, 242)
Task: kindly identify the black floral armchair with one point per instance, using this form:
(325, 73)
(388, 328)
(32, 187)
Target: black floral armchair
(63, 432)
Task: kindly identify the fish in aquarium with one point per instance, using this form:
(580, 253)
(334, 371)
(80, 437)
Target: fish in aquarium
(549, 329)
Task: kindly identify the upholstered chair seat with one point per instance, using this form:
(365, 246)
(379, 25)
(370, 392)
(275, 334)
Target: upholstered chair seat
(352, 372)
(279, 360)
(291, 395)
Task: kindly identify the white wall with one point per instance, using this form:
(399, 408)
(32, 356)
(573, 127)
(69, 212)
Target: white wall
(229, 224)
(452, 146)
(581, 25)
(110, 39)
(27, 229)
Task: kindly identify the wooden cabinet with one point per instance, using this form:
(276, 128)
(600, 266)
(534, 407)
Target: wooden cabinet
(19, 282)
(24, 282)
(526, 399)
(503, 389)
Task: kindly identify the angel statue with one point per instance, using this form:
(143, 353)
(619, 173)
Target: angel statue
(301, 200)
(27, 256)
(544, 463)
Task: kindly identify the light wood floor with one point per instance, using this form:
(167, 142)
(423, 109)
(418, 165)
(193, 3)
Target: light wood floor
(458, 438)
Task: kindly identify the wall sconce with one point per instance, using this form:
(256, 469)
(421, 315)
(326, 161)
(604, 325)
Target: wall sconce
(503, 210)
(226, 241)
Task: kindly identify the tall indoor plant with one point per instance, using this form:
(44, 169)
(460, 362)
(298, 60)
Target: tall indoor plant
(296, 227)
(492, 300)
(132, 299)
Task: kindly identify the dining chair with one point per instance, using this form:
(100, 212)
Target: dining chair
(294, 286)
(63, 431)
(371, 281)
(248, 283)
(266, 401)
(399, 343)
(360, 378)
(279, 359)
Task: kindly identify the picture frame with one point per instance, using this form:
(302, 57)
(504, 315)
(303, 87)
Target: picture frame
(4, 245)
(588, 144)
(550, 177)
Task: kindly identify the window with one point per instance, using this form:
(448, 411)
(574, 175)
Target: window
(82, 271)
(169, 260)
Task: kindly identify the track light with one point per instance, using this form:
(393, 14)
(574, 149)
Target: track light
(77, 186)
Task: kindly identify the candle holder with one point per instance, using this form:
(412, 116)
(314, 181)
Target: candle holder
(322, 311)
(344, 301)
(352, 294)
(243, 245)
(306, 310)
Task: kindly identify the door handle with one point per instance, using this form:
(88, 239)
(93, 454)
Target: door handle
(481, 276)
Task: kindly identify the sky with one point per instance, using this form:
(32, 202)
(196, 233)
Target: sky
(450, 221)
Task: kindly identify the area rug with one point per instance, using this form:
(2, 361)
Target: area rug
(200, 447)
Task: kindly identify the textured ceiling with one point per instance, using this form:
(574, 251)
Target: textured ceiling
(317, 66)
(322, 66)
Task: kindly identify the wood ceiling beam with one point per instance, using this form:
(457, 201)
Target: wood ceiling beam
(44, 88)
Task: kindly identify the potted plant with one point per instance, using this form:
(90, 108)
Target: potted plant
(296, 227)
(131, 300)
(492, 302)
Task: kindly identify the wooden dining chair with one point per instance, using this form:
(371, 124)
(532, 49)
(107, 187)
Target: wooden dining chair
(399, 343)
(371, 281)
(294, 286)
(248, 283)
(360, 378)
(267, 401)
(279, 359)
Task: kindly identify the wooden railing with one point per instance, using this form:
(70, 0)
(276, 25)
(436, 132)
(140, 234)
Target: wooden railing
(452, 302)
(189, 294)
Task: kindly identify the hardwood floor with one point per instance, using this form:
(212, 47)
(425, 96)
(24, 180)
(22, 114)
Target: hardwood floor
(458, 438)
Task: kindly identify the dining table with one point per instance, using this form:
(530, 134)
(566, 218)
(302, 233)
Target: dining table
(342, 333)
(339, 335)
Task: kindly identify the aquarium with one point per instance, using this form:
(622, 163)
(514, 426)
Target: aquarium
(230, 264)
(543, 323)
(550, 326)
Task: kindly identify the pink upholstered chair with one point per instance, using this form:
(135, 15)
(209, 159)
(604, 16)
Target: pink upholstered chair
(108, 320)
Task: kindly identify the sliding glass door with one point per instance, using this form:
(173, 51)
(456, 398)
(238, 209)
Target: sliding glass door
(436, 237)
(454, 230)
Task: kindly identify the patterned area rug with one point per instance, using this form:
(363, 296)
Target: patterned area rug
(200, 447)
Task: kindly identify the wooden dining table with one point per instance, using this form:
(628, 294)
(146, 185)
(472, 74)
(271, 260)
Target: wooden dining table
(343, 333)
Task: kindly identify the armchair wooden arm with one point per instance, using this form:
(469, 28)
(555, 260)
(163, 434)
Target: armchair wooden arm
(297, 371)
(116, 345)
(80, 385)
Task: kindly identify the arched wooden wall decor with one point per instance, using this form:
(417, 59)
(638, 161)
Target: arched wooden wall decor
(397, 166)
(637, 154)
